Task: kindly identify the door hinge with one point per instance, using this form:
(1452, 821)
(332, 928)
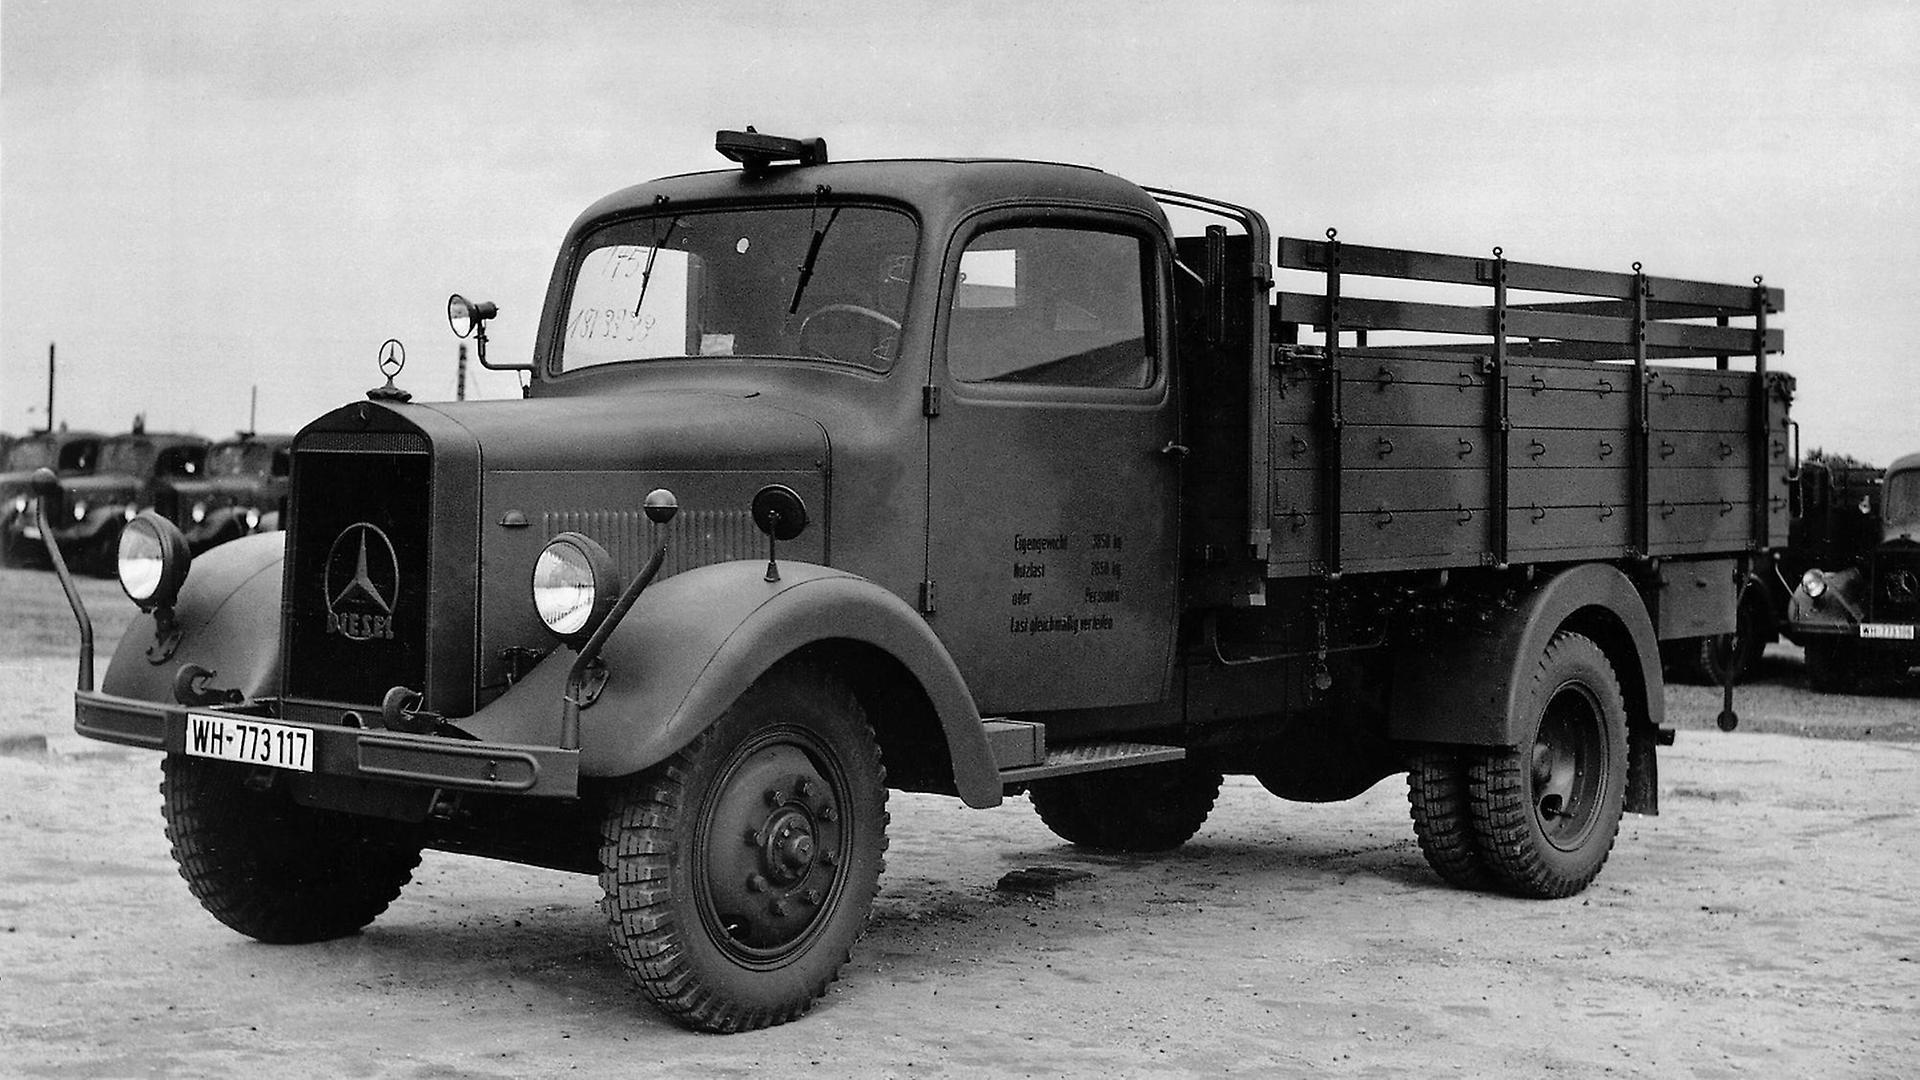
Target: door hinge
(926, 597)
(930, 400)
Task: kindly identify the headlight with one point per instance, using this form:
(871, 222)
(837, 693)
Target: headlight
(153, 561)
(253, 518)
(79, 509)
(1815, 582)
(199, 512)
(573, 586)
(19, 504)
(127, 513)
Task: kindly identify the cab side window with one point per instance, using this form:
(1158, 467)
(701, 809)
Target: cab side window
(1053, 306)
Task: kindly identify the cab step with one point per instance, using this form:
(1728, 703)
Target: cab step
(1092, 757)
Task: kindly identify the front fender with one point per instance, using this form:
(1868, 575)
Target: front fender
(694, 642)
(229, 617)
(1465, 689)
(1837, 611)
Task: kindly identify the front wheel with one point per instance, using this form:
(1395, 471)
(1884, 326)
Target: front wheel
(1832, 667)
(739, 872)
(272, 869)
(1545, 814)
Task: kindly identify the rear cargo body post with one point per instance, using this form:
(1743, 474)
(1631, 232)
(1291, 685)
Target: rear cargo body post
(1330, 477)
(1762, 422)
(1498, 417)
(1642, 431)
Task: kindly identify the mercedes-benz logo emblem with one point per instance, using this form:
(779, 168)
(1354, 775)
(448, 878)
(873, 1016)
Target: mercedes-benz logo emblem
(393, 357)
(1902, 585)
(362, 583)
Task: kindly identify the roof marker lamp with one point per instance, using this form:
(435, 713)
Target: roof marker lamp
(154, 560)
(574, 586)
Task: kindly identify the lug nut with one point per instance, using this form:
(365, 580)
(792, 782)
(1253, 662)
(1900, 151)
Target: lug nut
(778, 907)
(813, 896)
(752, 837)
(758, 883)
(806, 788)
(827, 814)
(775, 796)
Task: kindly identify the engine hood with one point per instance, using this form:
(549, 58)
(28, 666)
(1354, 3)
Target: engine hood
(660, 430)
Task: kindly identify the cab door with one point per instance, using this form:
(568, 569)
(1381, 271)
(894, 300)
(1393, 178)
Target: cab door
(1053, 466)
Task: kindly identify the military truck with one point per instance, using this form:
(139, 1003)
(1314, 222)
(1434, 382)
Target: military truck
(970, 477)
(242, 490)
(92, 507)
(1856, 610)
(67, 453)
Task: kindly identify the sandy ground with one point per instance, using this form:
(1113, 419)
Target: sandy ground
(1764, 925)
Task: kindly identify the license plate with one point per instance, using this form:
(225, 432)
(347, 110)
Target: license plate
(1891, 631)
(255, 742)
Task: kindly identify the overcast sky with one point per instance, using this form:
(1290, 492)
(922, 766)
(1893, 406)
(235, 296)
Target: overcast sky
(200, 197)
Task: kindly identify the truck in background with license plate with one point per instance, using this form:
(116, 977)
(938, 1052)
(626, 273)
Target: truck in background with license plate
(1857, 610)
(977, 478)
(67, 454)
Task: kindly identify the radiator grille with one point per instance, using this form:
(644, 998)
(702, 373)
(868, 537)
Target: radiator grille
(357, 591)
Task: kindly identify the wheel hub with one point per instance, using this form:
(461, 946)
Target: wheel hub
(1567, 771)
(773, 849)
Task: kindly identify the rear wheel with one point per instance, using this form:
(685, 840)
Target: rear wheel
(1144, 808)
(1546, 813)
(272, 869)
(739, 872)
(1437, 799)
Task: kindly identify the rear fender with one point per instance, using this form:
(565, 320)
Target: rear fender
(1465, 689)
(695, 641)
(229, 619)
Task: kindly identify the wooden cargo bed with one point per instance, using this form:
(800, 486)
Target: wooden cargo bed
(1498, 450)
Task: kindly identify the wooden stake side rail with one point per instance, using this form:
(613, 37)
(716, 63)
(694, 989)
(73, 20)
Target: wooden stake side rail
(1550, 437)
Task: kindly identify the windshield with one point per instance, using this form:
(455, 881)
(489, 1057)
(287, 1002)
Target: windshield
(820, 282)
(1900, 504)
(30, 454)
(136, 457)
(240, 459)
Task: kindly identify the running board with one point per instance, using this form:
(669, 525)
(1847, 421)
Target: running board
(1093, 757)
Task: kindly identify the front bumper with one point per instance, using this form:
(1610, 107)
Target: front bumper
(426, 761)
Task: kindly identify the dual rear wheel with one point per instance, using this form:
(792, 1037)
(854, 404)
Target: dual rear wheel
(1537, 820)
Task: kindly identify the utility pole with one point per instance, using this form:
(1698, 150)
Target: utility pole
(460, 386)
(49, 386)
(253, 409)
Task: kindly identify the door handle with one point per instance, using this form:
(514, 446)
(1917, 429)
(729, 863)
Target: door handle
(1174, 450)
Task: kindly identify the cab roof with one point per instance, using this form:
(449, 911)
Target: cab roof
(938, 187)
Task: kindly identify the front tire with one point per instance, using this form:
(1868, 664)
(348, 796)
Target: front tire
(272, 869)
(1831, 667)
(1545, 815)
(739, 873)
(1144, 808)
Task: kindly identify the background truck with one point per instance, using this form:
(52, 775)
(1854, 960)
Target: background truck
(91, 507)
(1833, 510)
(240, 491)
(966, 477)
(1857, 606)
(67, 453)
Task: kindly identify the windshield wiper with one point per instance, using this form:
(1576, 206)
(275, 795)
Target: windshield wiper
(813, 255)
(646, 272)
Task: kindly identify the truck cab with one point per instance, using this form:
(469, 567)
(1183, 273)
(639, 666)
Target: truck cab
(66, 454)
